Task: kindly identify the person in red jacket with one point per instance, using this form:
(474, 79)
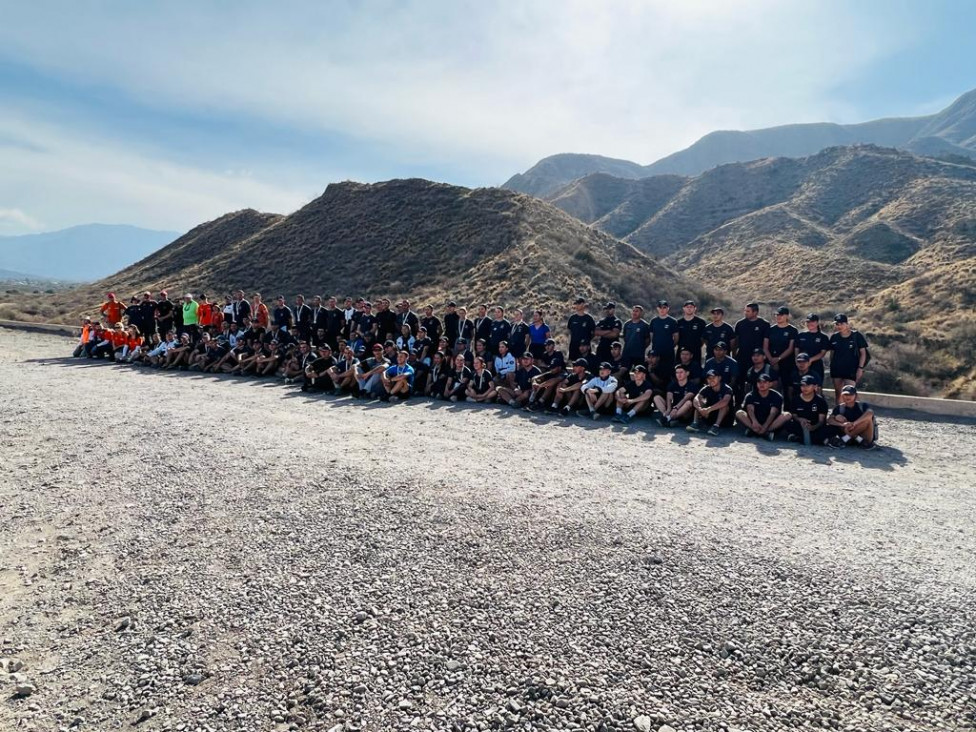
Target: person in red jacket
(207, 313)
(112, 310)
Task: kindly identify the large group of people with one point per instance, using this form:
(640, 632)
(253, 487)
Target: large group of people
(766, 378)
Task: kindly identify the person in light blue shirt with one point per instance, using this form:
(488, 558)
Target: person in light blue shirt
(398, 378)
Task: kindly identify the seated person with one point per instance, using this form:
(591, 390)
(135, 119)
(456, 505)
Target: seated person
(369, 373)
(438, 376)
(504, 366)
(677, 404)
(517, 395)
(687, 358)
(568, 395)
(762, 410)
(398, 378)
(713, 405)
(317, 376)
(598, 391)
(635, 396)
(809, 410)
(343, 372)
(552, 363)
(481, 386)
(178, 356)
(457, 383)
(852, 422)
(759, 367)
(297, 362)
(618, 367)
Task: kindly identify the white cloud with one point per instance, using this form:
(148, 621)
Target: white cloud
(15, 221)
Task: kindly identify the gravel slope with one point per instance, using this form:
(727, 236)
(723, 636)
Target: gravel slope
(186, 552)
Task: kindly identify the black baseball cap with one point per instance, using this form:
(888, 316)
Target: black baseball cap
(580, 301)
(721, 344)
(710, 373)
(752, 305)
(782, 310)
(813, 317)
(452, 304)
(550, 342)
(323, 347)
(760, 351)
(463, 341)
(639, 368)
(610, 305)
(802, 357)
(809, 380)
(605, 365)
(654, 353)
(764, 377)
(691, 302)
(616, 344)
(662, 303)
(849, 389)
(840, 318)
(389, 344)
(581, 362)
(718, 309)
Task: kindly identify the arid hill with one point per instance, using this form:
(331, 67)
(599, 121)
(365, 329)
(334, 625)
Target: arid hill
(949, 132)
(414, 238)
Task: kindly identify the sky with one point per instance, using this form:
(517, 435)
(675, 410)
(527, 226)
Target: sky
(165, 115)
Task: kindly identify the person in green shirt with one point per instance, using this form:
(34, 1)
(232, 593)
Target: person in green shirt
(191, 322)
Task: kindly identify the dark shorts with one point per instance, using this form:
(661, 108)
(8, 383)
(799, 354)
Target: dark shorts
(841, 373)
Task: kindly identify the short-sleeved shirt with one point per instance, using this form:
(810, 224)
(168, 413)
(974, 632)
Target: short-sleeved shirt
(398, 370)
(523, 377)
(780, 339)
(633, 390)
(165, 309)
(464, 374)
(553, 360)
(611, 322)
(573, 379)
(812, 343)
(481, 382)
(539, 333)
(342, 366)
(433, 326)
(852, 414)
(715, 333)
(190, 310)
(752, 375)
(710, 397)
(662, 337)
(695, 371)
(763, 405)
(811, 410)
(690, 334)
(636, 337)
(727, 368)
(678, 392)
(581, 328)
(750, 334)
(322, 364)
(501, 330)
(516, 341)
(846, 353)
(796, 376)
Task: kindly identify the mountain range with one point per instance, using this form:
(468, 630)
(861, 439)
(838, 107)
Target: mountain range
(80, 253)
(949, 132)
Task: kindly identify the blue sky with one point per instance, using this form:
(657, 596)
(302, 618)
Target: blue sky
(168, 114)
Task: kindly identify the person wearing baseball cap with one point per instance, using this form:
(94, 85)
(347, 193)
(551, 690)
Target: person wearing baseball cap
(517, 395)
(713, 405)
(750, 333)
(581, 327)
(112, 310)
(369, 372)
(599, 391)
(852, 422)
(718, 330)
(725, 365)
(759, 367)
(552, 363)
(780, 345)
(607, 331)
(762, 411)
(664, 336)
(809, 413)
(691, 331)
(633, 397)
(636, 337)
(676, 405)
(812, 341)
(566, 396)
(849, 355)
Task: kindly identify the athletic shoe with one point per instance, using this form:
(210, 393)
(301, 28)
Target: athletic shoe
(530, 407)
(713, 430)
(771, 436)
(596, 416)
(384, 397)
(566, 411)
(625, 418)
(871, 446)
(748, 433)
(834, 442)
(793, 438)
(663, 421)
(693, 427)
(618, 418)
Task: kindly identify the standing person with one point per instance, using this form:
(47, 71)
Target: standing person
(539, 333)
(691, 330)
(207, 314)
(719, 330)
(147, 316)
(852, 421)
(607, 331)
(677, 403)
(713, 404)
(282, 316)
(242, 308)
(191, 310)
(350, 312)
(465, 330)
(781, 346)
(406, 316)
(260, 316)
(133, 314)
(518, 342)
(815, 343)
(451, 319)
(303, 318)
(637, 337)
(581, 328)
(482, 324)
(762, 411)
(398, 377)
(599, 391)
(635, 396)
(750, 333)
(724, 365)
(809, 411)
(385, 321)
(432, 323)
(367, 325)
(500, 331)
(848, 355)
(664, 336)
(112, 310)
(227, 311)
(164, 314)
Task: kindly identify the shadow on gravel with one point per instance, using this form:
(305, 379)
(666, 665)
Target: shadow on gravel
(884, 459)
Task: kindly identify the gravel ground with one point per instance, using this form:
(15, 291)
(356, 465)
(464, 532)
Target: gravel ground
(188, 552)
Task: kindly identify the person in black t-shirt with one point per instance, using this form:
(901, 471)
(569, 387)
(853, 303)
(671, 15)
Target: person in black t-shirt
(518, 395)
(481, 387)
(500, 330)
(592, 362)
(164, 314)
(664, 336)
(718, 330)
(431, 323)
(451, 319)
(317, 374)
(852, 422)
(809, 410)
(553, 367)
(759, 368)
(815, 343)
(781, 345)
(726, 366)
(686, 358)
(636, 337)
(482, 324)
(581, 327)
(750, 333)
(569, 392)
(676, 405)
(713, 405)
(518, 342)
(465, 329)
(618, 367)
(762, 411)
(849, 355)
(691, 330)
(633, 397)
(607, 331)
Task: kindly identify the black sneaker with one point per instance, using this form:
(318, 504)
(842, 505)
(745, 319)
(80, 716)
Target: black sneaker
(565, 411)
(792, 438)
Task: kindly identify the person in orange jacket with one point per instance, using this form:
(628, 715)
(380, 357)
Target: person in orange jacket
(112, 310)
(86, 332)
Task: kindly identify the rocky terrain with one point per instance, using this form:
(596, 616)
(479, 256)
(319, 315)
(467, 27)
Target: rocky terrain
(948, 133)
(189, 552)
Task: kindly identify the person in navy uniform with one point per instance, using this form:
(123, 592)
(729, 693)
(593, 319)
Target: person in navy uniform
(482, 324)
(581, 328)
(636, 336)
(518, 342)
(718, 330)
(686, 358)
(592, 362)
(750, 333)
(726, 366)
(691, 330)
(809, 409)
(815, 343)
(607, 331)
(781, 345)
(802, 370)
(713, 405)
(759, 367)
(432, 323)
(633, 397)
(664, 336)
(676, 405)
(848, 355)
(517, 395)
(617, 365)
(569, 392)
(451, 320)
(852, 422)
(501, 330)
(762, 411)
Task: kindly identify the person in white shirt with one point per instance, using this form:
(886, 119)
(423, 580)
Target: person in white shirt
(504, 367)
(158, 355)
(599, 390)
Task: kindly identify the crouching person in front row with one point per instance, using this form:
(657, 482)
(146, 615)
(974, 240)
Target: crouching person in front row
(762, 411)
(809, 410)
(852, 422)
(713, 405)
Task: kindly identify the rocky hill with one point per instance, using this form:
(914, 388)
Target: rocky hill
(884, 232)
(949, 132)
(413, 238)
